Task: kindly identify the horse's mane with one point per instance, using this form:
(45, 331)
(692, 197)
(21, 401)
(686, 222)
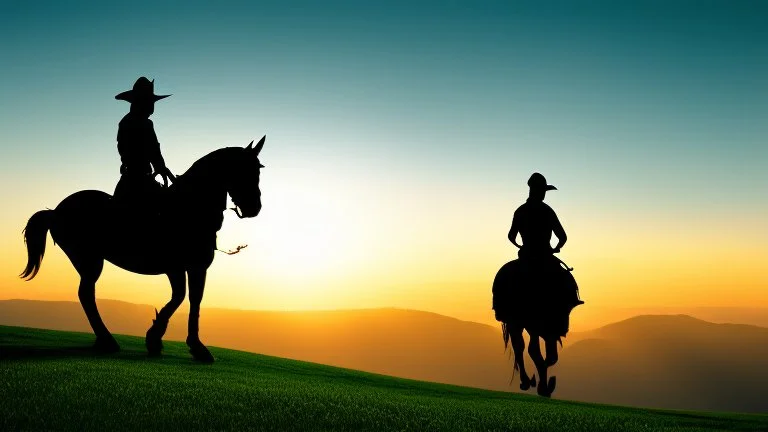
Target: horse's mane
(209, 164)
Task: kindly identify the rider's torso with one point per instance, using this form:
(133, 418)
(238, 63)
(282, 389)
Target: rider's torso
(535, 221)
(137, 144)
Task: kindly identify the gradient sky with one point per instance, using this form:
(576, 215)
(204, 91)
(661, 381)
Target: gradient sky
(400, 137)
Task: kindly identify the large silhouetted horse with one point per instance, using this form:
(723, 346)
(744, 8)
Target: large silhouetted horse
(91, 227)
(539, 302)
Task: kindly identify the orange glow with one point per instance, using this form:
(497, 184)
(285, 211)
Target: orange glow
(307, 253)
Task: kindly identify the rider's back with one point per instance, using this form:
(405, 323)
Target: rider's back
(535, 221)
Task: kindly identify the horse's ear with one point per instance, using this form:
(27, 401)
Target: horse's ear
(250, 146)
(260, 144)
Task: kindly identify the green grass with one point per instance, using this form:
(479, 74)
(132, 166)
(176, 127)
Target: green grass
(52, 380)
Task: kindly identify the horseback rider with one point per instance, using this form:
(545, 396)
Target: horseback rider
(140, 150)
(535, 222)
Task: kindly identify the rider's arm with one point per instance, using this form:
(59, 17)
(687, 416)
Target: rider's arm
(559, 232)
(513, 231)
(158, 163)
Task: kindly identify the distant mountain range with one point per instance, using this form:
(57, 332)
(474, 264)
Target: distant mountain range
(592, 317)
(670, 361)
(663, 361)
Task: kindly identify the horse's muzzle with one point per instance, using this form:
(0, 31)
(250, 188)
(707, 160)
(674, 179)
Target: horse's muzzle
(247, 211)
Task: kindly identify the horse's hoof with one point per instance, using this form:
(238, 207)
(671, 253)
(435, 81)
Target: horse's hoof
(525, 385)
(546, 389)
(551, 384)
(106, 344)
(200, 353)
(533, 380)
(154, 347)
(542, 391)
(153, 343)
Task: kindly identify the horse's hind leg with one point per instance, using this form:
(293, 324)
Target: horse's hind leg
(90, 270)
(545, 387)
(518, 348)
(154, 340)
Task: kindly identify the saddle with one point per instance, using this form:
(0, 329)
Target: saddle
(139, 203)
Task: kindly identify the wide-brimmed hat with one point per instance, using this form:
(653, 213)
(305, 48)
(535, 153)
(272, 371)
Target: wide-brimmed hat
(143, 91)
(537, 181)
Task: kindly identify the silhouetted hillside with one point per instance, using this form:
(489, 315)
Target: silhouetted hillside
(670, 361)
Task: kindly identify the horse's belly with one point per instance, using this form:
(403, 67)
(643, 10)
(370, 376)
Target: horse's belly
(145, 262)
(140, 252)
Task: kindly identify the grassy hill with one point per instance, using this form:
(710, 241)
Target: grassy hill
(404, 343)
(51, 380)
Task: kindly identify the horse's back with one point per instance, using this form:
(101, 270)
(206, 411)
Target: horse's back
(84, 199)
(82, 208)
(89, 224)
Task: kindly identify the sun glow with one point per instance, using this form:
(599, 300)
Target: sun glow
(302, 235)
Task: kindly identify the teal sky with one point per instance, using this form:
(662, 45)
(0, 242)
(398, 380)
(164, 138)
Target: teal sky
(591, 92)
(651, 110)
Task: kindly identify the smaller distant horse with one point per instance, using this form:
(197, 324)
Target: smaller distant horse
(539, 302)
(178, 239)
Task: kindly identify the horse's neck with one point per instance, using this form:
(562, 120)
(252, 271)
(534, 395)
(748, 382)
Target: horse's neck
(200, 194)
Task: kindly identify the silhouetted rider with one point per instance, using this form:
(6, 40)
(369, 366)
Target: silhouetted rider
(535, 222)
(139, 148)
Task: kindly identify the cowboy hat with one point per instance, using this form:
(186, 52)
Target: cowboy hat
(537, 181)
(143, 90)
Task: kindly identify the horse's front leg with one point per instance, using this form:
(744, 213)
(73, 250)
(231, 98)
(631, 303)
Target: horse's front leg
(196, 286)
(154, 340)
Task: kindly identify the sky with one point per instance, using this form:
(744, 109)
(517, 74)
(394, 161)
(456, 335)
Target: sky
(400, 137)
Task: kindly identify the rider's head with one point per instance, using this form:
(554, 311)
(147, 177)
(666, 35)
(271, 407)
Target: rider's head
(143, 108)
(538, 187)
(142, 97)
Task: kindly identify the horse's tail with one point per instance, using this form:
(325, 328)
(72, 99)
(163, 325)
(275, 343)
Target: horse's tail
(35, 235)
(505, 334)
(507, 340)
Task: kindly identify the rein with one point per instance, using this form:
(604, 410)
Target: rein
(232, 252)
(565, 266)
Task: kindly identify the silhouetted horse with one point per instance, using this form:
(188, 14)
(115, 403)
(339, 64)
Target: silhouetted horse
(90, 228)
(538, 300)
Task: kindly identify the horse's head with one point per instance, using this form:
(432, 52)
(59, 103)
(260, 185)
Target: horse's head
(243, 186)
